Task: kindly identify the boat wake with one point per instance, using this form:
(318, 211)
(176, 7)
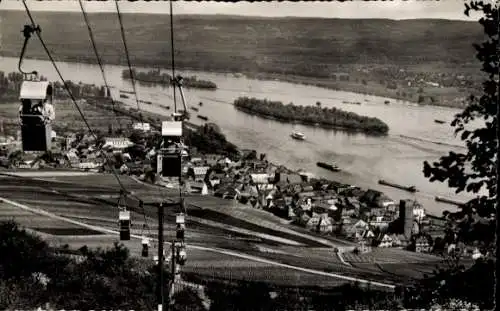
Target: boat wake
(432, 141)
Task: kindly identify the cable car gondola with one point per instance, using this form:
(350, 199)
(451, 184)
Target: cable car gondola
(36, 112)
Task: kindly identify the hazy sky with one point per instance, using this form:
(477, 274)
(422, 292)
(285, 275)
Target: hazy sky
(399, 9)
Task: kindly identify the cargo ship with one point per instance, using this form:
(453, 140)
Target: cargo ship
(331, 167)
(407, 188)
(202, 117)
(449, 201)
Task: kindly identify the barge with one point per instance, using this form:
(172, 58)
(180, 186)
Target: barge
(331, 167)
(412, 189)
(202, 117)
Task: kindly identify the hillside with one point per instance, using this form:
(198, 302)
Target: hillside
(247, 43)
(372, 52)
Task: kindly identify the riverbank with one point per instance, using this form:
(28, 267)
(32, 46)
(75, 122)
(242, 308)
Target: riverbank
(451, 97)
(447, 97)
(363, 159)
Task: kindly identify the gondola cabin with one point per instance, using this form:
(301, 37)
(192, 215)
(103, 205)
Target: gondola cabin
(169, 159)
(36, 115)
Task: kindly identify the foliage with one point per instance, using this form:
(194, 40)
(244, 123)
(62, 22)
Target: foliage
(455, 282)
(471, 172)
(32, 274)
(187, 299)
(475, 170)
(104, 279)
(209, 140)
(156, 77)
(327, 117)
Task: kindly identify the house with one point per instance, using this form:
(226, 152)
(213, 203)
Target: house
(328, 206)
(320, 223)
(198, 173)
(196, 161)
(307, 188)
(226, 193)
(422, 244)
(352, 203)
(377, 211)
(305, 204)
(306, 195)
(306, 176)
(367, 236)
(282, 180)
(476, 254)
(145, 127)
(380, 222)
(302, 217)
(363, 247)
(88, 165)
(215, 179)
(259, 179)
(356, 230)
(132, 168)
(117, 143)
(399, 241)
(386, 241)
(418, 212)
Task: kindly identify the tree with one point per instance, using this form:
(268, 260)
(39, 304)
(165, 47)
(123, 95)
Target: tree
(481, 142)
(187, 299)
(470, 171)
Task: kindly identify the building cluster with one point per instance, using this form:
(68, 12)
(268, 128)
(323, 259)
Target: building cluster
(77, 151)
(366, 217)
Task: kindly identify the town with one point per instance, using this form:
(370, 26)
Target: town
(323, 170)
(366, 217)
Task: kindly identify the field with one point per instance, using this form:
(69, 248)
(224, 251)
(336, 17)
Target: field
(303, 50)
(215, 251)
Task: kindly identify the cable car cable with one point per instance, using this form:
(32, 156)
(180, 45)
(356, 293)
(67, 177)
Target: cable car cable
(105, 81)
(132, 78)
(172, 50)
(131, 71)
(99, 62)
(37, 31)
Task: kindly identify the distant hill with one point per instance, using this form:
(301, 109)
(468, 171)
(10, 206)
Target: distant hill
(248, 44)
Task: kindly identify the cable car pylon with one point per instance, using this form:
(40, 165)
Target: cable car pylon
(169, 161)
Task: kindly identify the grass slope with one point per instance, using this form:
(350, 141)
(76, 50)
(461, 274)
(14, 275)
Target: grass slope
(227, 43)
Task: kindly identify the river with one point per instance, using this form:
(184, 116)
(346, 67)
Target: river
(364, 159)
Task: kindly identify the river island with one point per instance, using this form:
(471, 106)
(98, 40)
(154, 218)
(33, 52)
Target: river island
(325, 117)
(155, 77)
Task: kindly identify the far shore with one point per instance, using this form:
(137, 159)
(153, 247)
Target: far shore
(372, 89)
